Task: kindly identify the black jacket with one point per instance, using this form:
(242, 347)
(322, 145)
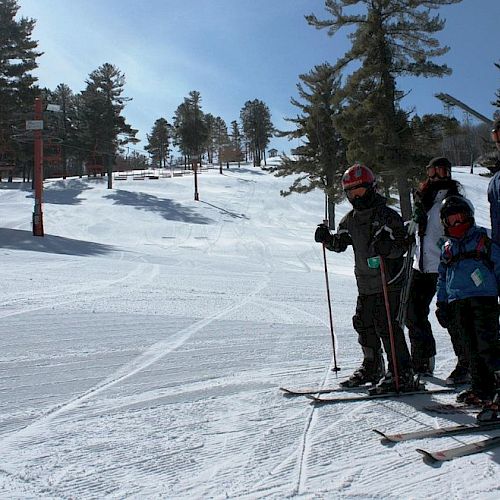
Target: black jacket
(358, 228)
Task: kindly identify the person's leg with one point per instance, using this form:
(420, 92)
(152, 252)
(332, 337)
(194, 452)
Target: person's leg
(406, 379)
(372, 368)
(461, 311)
(423, 345)
(484, 311)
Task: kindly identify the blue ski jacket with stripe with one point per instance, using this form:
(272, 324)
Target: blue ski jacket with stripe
(469, 267)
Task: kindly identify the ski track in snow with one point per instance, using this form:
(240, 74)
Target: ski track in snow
(147, 364)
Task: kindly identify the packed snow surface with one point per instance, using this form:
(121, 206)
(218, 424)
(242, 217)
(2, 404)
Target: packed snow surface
(144, 338)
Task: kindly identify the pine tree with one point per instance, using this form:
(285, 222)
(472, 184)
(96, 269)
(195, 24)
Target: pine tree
(320, 161)
(236, 142)
(257, 127)
(103, 128)
(191, 130)
(17, 59)
(159, 142)
(390, 38)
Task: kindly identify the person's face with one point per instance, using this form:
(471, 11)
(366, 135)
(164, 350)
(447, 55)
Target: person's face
(356, 192)
(495, 136)
(437, 173)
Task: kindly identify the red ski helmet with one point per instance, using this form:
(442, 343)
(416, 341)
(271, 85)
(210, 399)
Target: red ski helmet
(357, 176)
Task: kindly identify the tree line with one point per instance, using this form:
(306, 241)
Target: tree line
(199, 135)
(351, 110)
(89, 127)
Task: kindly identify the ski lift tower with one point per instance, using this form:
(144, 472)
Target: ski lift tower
(450, 102)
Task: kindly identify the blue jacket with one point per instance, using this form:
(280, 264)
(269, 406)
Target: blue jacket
(468, 277)
(494, 199)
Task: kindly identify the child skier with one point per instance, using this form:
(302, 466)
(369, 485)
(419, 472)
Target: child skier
(373, 229)
(467, 290)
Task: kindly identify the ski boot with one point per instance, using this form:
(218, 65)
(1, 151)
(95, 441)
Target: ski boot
(424, 367)
(460, 375)
(470, 397)
(408, 382)
(370, 371)
(490, 411)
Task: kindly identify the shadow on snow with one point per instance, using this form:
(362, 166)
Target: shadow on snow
(168, 209)
(24, 240)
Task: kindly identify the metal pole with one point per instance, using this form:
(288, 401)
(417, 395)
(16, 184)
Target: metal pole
(332, 333)
(335, 367)
(196, 196)
(389, 322)
(38, 172)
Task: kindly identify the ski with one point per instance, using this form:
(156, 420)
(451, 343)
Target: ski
(450, 408)
(442, 431)
(307, 391)
(368, 397)
(460, 451)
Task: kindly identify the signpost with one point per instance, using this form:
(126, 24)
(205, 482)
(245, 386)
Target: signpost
(37, 126)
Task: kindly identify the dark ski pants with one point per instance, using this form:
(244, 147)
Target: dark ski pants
(478, 321)
(370, 322)
(423, 345)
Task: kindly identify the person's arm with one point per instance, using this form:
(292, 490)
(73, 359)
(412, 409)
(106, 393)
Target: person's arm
(390, 240)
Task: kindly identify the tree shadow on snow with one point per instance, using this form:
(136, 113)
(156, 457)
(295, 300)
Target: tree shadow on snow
(64, 192)
(168, 209)
(17, 239)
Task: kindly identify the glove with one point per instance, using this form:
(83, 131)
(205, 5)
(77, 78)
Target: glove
(382, 243)
(340, 242)
(419, 213)
(443, 314)
(322, 235)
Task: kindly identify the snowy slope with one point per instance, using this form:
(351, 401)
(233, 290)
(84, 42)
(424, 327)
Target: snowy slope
(142, 342)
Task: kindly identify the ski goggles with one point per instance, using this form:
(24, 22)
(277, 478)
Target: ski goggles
(356, 192)
(440, 172)
(456, 220)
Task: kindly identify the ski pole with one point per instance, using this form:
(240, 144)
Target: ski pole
(335, 367)
(389, 322)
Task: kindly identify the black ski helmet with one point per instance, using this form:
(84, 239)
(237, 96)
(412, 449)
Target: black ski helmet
(456, 204)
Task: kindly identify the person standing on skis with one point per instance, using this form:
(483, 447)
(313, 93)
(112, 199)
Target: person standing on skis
(374, 230)
(429, 238)
(467, 289)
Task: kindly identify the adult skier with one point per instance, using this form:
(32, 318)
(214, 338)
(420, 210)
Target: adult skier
(429, 238)
(373, 229)
(468, 288)
(494, 186)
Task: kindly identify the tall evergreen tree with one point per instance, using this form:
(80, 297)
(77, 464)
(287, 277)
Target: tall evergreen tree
(191, 130)
(257, 127)
(320, 161)
(221, 138)
(102, 126)
(17, 59)
(159, 142)
(390, 38)
(65, 124)
(236, 141)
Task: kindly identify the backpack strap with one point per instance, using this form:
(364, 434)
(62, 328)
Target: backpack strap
(481, 252)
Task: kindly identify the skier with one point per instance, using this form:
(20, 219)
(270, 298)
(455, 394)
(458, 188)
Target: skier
(467, 288)
(494, 186)
(373, 229)
(429, 239)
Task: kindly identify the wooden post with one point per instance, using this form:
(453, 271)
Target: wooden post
(38, 171)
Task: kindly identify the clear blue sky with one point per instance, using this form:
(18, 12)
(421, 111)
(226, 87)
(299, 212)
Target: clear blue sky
(235, 50)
